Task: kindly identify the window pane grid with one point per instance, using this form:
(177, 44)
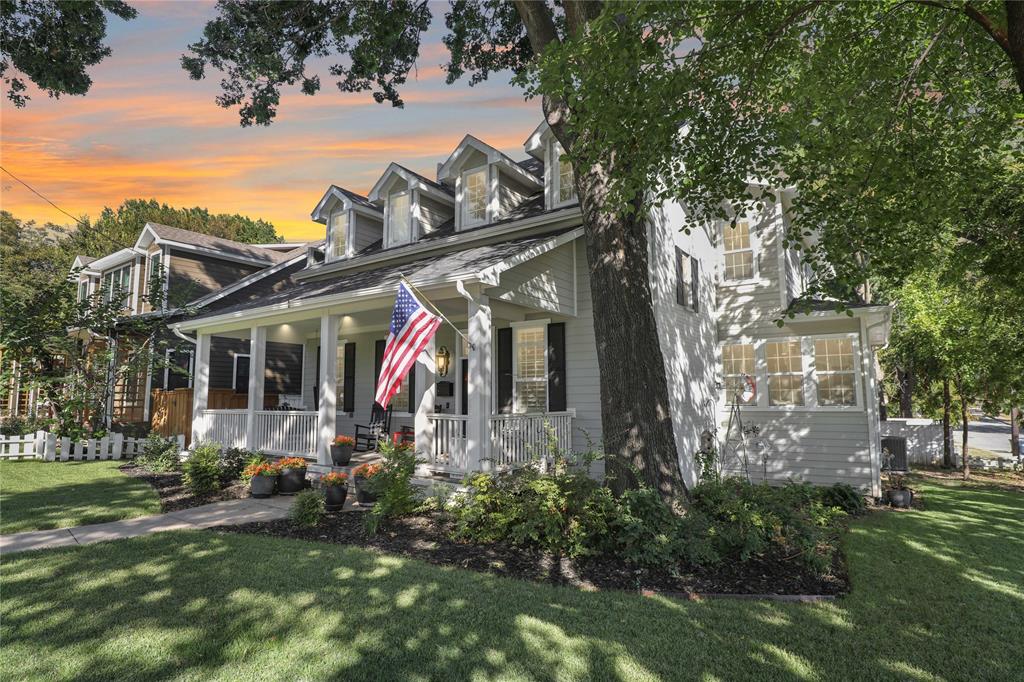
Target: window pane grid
(339, 234)
(739, 257)
(566, 184)
(737, 361)
(785, 372)
(530, 377)
(476, 195)
(398, 218)
(833, 360)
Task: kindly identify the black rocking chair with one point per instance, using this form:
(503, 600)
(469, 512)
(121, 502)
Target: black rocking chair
(367, 435)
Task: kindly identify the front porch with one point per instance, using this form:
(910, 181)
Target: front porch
(486, 404)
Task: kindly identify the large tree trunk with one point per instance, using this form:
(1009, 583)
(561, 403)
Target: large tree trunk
(963, 419)
(636, 415)
(947, 431)
(1015, 431)
(906, 379)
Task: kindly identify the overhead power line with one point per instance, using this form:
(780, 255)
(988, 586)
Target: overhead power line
(32, 189)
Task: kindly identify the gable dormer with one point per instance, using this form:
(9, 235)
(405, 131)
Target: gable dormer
(559, 183)
(487, 183)
(353, 223)
(413, 206)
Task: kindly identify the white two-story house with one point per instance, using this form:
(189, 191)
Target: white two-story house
(497, 245)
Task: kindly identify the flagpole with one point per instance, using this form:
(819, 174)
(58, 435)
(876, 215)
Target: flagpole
(436, 310)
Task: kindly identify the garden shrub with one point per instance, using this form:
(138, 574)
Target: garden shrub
(201, 471)
(24, 426)
(564, 512)
(159, 454)
(232, 463)
(308, 508)
(843, 496)
(392, 484)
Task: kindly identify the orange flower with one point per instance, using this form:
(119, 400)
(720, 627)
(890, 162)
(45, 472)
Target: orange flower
(334, 478)
(292, 463)
(366, 470)
(344, 440)
(262, 469)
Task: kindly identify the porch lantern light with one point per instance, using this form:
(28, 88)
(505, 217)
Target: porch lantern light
(443, 360)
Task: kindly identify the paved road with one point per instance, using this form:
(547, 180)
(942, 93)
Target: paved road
(989, 434)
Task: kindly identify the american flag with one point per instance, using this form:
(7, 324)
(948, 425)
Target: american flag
(412, 327)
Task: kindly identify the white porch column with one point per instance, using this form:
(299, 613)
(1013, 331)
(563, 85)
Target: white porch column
(257, 363)
(327, 412)
(200, 387)
(424, 401)
(478, 433)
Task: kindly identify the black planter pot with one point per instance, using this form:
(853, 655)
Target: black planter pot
(292, 481)
(262, 486)
(341, 455)
(334, 497)
(901, 498)
(363, 494)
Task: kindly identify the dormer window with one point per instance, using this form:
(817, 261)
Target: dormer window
(474, 196)
(338, 234)
(399, 225)
(565, 189)
(117, 285)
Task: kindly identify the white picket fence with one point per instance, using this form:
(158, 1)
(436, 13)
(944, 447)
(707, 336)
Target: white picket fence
(46, 446)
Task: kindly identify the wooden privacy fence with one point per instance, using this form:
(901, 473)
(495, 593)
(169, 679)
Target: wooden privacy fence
(46, 446)
(171, 411)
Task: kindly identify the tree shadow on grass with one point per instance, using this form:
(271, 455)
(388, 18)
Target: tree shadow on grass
(935, 593)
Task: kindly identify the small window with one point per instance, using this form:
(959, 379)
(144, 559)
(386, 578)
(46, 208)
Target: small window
(399, 226)
(833, 364)
(338, 234)
(739, 256)
(83, 290)
(566, 180)
(154, 278)
(530, 387)
(117, 286)
(687, 279)
(474, 196)
(737, 365)
(785, 372)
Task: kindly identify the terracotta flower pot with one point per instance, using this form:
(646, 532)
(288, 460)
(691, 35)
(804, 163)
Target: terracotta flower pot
(292, 481)
(262, 486)
(334, 497)
(341, 455)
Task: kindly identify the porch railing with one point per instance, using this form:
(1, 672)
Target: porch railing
(516, 439)
(449, 451)
(291, 432)
(226, 427)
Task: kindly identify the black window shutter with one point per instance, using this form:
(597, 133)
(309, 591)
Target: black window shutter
(556, 367)
(378, 361)
(504, 361)
(680, 280)
(349, 398)
(465, 386)
(412, 388)
(316, 383)
(695, 282)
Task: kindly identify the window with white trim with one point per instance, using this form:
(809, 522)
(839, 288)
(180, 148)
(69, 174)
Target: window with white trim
(339, 377)
(402, 401)
(83, 289)
(784, 361)
(338, 234)
(687, 276)
(474, 196)
(240, 373)
(530, 376)
(117, 285)
(737, 364)
(399, 223)
(154, 269)
(739, 255)
(833, 367)
(565, 189)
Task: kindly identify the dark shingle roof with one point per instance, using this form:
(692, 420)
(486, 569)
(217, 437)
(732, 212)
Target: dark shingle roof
(532, 166)
(227, 246)
(283, 287)
(436, 185)
(356, 198)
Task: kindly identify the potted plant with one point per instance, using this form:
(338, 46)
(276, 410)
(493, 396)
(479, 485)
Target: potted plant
(341, 450)
(262, 477)
(293, 475)
(335, 485)
(363, 475)
(900, 496)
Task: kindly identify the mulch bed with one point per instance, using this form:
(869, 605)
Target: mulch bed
(428, 538)
(174, 496)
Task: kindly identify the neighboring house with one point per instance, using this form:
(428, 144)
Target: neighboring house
(193, 268)
(497, 245)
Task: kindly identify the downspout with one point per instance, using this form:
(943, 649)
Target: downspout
(182, 336)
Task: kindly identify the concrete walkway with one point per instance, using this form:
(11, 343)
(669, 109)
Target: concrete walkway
(224, 513)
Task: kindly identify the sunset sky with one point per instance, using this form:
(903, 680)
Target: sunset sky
(145, 130)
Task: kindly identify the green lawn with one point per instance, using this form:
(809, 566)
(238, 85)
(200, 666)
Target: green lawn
(937, 595)
(37, 495)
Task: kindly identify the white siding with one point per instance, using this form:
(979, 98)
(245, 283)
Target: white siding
(432, 213)
(818, 447)
(365, 231)
(511, 193)
(544, 282)
(582, 376)
(688, 338)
